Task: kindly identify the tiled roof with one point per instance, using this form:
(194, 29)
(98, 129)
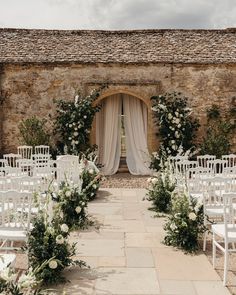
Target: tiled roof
(135, 46)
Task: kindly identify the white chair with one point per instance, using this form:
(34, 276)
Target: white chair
(25, 165)
(202, 160)
(11, 159)
(175, 159)
(231, 160)
(213, 190)
(15, 215)
(3, 166)
(29, 184)
(42, 149)
(25, 151)
(224, 234)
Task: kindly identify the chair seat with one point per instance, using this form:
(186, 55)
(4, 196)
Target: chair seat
(219, 230)
(6, 259)
(13, 234)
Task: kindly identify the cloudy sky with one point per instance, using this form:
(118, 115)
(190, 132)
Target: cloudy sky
(117, 14)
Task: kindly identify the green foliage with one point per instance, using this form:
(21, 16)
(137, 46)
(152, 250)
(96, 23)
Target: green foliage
(74, 121)
(219, 132)
(160, 190)
(177, 128)
(185, 224)
(90, 183)
(48, 248)
(33, 132)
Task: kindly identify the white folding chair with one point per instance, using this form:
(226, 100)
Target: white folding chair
(213, 190)
(42, 149)
(224, 234)
(15, 215)
(25, 151)
(202, 160)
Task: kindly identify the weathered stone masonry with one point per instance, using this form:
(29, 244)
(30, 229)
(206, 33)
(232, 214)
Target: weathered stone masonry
(39, 66)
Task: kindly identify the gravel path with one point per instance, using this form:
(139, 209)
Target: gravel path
(125, 180)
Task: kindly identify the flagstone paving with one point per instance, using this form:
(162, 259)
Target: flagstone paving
(127, 257)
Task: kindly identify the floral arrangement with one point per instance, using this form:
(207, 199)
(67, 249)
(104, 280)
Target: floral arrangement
(90, 182)
(48, 247)
(74, 121)
(72, 203)
(185, 224)
(176, 126)
(161, 187)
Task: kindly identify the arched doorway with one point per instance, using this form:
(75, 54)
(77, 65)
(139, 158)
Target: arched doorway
(121, 132)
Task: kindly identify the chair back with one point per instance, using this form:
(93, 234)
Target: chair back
(202, 160)
(231, 160)
(42, 149)
(25, 151)
(15, 210)
(11, 159)
(229, 214)
(217, 165)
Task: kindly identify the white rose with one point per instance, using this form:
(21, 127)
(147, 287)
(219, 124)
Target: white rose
(52, 264)
(59, 239)
(154, 181)
(177, 121)
(70, 125)
(68, 193)
(172, 141)
(76, 133)
(64, 228)
(91, 171)
(75, 128)
(192, 216)
(78, 209)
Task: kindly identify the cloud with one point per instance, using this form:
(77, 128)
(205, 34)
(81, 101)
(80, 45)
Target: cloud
(118, 14)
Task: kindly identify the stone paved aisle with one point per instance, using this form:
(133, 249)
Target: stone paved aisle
(127, 257)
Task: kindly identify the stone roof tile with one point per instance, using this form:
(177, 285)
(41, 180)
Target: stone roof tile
(135, 46)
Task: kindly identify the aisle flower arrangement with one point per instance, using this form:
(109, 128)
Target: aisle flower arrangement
(185, 223)
(48, 244)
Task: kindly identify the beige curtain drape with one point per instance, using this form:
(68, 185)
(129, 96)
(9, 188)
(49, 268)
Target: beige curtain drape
(108, 134)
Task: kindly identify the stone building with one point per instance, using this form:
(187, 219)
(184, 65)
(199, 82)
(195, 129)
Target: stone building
(37, 66)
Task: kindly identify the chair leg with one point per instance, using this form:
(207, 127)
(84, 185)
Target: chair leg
(204, 241)
(226, 262)
(213, 252)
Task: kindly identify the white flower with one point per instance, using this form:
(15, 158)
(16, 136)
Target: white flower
(61, 214)
(52, 264)
(192, 216)
(91, 171)
(75, 128)
(7, 275)
(59, 239)
(76, 99)
(64, 228)
(85, 117)
(50, 230)
(177, 114)
(177, 121)
(79, 126)
(149, 180)
(78, 209)
(83, 204)
(27, 280)
(173, 226)
(76, 142)
(169, 116)
(179, 125)
(172, 141)
(154, 181)
(68, 193)
(76, 133)
(70, 125)
(94, 186)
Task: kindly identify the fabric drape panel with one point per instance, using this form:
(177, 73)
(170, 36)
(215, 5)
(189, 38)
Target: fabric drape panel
(108, 134)
(135, 118)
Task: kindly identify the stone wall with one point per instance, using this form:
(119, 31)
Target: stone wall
(30, 89)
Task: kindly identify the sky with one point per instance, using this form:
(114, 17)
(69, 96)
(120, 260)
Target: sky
(118, 14)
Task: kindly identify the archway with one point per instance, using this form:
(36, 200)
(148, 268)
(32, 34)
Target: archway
(122, 131)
